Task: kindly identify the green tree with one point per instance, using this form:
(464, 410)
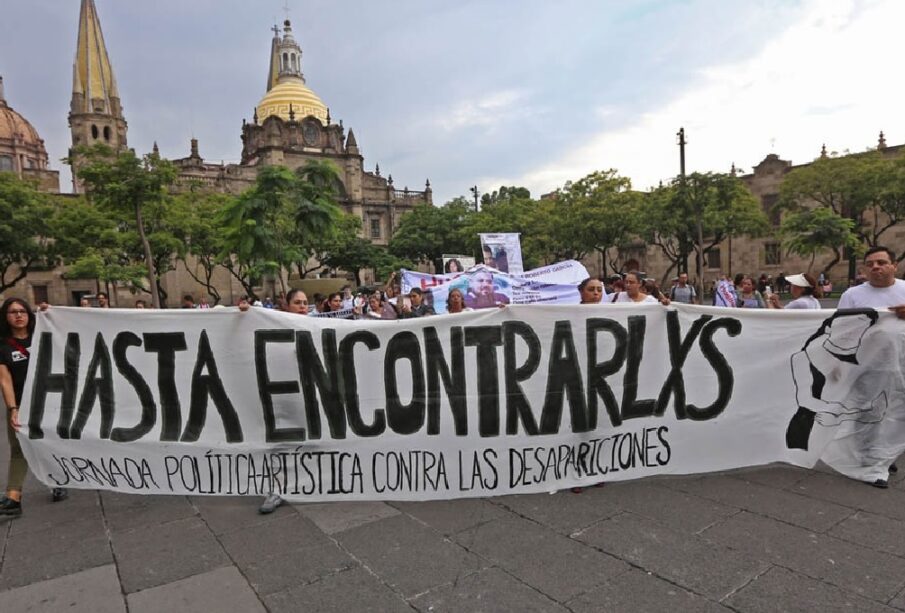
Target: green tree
(427, 232)
(726, 208)
(591, 214)
(509, 209)
(866, 188)
(272, 225)
(24, 229)
(136, 187)
(200, 245)
(807, 232)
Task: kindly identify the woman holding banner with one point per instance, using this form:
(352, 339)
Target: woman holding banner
(591, 291)
(17, 324)
(805, 293)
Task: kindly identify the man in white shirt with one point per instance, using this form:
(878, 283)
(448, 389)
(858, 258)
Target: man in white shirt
(882, 290)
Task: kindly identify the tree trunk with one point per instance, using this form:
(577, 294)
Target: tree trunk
(152, 275)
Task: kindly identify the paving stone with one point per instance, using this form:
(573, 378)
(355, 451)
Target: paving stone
(90, 591)
(550, 562)
(777, 475)
(691, 561)
(874, 531)
(224, 589)
(296, 567)
(803, 511)
(782, 589)
(130, 511)
(563, 511)
(672, 508)
(335, 517)
(855, 494)
(899, 601)
(155, 555)
(287, 533)
(852, 567)
(224, 514)
(353, 590)
(451, 516)
(637, 590)
(489, 590)
(408, 556)
(41, 514)
(37, 556)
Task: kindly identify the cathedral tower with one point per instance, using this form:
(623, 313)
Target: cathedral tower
(95, 112)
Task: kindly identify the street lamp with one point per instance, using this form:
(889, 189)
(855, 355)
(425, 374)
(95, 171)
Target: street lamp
(474, 192)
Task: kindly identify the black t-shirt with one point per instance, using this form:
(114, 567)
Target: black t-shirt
(16, 361)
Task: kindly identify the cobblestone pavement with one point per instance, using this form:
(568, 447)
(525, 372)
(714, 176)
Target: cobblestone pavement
(772, 539)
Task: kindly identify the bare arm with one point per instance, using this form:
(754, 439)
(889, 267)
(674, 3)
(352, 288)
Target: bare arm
(9, 395)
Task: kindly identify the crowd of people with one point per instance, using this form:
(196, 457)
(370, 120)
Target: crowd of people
(879, 289)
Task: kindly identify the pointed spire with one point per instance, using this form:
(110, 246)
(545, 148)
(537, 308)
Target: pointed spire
(390, 180)
(881, 144)
(823, 151)
(377, 169)
(732, 170)
(155, 150)
(255, 118)
(194, 149)
(92, 76)
(427, 185)
(351, 143)
(328, 115)
(274, 72)
(2, 95)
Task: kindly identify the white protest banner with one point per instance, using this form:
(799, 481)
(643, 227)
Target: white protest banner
(499, 401)
(503, 252)
(484, 287)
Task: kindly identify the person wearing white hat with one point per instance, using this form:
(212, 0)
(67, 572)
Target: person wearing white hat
(805, 293)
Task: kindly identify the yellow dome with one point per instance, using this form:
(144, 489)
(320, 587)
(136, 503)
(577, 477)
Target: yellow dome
(293, 91)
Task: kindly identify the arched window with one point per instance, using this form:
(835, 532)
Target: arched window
(292, 57)
(6, 163)
(285, 61)
(93, 131)
(107, 133)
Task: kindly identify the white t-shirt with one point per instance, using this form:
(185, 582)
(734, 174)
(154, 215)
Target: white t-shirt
(868, 296)
(804, 302)
(623, 297)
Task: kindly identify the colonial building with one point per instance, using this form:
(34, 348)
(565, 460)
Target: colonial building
(751, 256)
(290, 126)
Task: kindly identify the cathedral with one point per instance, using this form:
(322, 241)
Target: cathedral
(290, 126)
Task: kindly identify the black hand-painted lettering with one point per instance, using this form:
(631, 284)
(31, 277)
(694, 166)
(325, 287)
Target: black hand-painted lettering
(404, 418)
(486, 339)
(96, 387)
(631, 406)
(452, 377)
(316, 379)
(165, 345)
(563, 380)
(518, 408)
(206, 386)
(679, 349)
(121, 343)
(267, 388)
(350, 384)
(599, 371)
(724, 377)
(48, 382)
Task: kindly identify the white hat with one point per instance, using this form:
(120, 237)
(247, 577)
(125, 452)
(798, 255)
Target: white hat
(798, 280)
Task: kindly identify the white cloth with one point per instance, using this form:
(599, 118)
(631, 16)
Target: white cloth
(623, 297)
(868, 296)
(804, 302)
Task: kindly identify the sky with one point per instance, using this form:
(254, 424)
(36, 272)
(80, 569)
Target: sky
(489, 93)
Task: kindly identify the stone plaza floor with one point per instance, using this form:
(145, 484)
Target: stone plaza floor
(772, 539)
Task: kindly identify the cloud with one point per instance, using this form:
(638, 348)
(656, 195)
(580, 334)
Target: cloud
(825, 78)
(485, 111)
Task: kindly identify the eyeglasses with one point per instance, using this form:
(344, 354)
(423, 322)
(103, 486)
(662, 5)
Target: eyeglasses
(17, 312)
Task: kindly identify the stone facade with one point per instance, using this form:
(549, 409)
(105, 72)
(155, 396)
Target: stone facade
(290, 126)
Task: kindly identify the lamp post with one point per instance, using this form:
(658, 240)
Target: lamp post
(697, 213)
(474, 191)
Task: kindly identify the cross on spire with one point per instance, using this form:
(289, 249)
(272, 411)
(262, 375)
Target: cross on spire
(276, 30)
